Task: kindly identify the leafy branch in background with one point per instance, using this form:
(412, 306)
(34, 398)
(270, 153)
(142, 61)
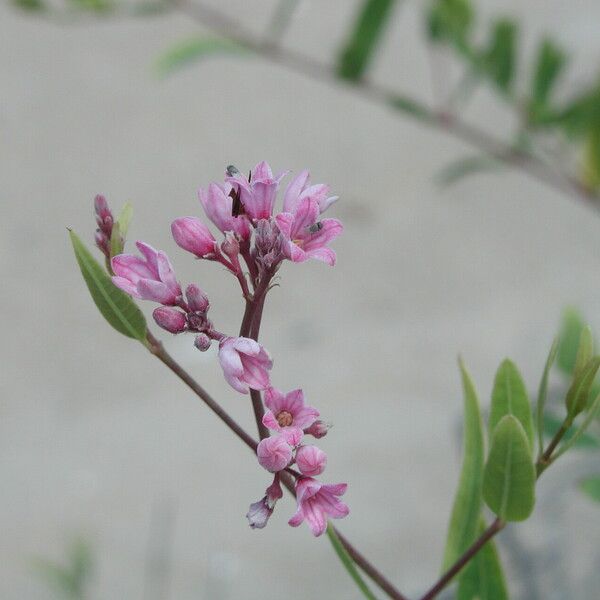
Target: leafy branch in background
(557, 143)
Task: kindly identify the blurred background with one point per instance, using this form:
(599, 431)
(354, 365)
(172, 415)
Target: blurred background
(109, 464)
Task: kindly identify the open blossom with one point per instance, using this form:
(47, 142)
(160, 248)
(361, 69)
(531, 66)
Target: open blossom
(260, 511)
(148, 278)
(194, 236)
(218, 206)
(298, 189)
(274, 453)
(305, 236)
(246, 364)
(310, 460)
(287, 413)
(258, 194)
(317, 502)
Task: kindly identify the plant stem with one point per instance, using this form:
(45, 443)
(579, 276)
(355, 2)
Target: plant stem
(156, 348)
(532, 165)
(544, 461)
(477, 545)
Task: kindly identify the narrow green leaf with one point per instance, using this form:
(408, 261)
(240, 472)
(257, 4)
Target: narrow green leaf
(499, 59)
(462, 529)
(590, 170)
(570, 332)
(591, 487)
(348, 563)
(116, 240)
(580, 431)
(483, 578)
(549, 65)
(462, 167)
(578, 394)
(124, 218)
(451, 21)
(30, 5)
(585, 351)
(411, 107)
(543, 393)
(509, 397)
(188, 51)
(115, 305)
(509, 477)
(366, 34)
(586, 441)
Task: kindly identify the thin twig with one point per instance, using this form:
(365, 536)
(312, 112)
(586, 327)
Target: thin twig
(292, 60)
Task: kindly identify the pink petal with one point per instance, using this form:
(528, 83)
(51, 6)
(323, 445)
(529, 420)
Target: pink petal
(274, 399)
(270, 421)
(326, 255)
(293, 191)
(126, 286)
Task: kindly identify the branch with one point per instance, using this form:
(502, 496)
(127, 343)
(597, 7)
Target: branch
(530, 164)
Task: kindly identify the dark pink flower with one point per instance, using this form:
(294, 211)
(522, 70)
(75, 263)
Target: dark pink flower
(288, 414)
(317, 502)
(218, 205)
(304, 236)
(170, 318)
(148, 278)
(246, 364)
(193, 235)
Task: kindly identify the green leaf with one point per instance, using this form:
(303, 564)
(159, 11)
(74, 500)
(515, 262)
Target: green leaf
(464, 520)
(509, 477)
(591, 487)
(31, 5)
(348, 563)
(585, 351)
(463, 167)
(124, 218)
(590, 172)
(585, 441)
(580, 431)
(366, 34)
(543, 393)
(451, 21)
(115, 305)
(116, 240)
(498, 61)
(509, 397)
(411, 107)
(188, 51)
(579, 392)
(483, 578)
(549, 65)
(570, 332)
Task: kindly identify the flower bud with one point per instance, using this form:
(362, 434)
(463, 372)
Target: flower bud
(197, 299)
(230, 247)
(318, 429)
(311, 460)
(192, 235)
(259, 513)
(202, 342)
(101, 207)
(274, 454)
(170, 319)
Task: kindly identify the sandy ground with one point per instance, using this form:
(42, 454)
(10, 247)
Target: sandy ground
(98, 441)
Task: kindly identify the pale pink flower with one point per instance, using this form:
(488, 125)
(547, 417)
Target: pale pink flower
(170, 319)
(148, 278)
(218, 206)
(193, 235)
(274, 453)
(310, 460)
(317, 502)
(245, 364)
(288, 414)
(298, 189)
(260, 511)
(305, 236)
(258, 194)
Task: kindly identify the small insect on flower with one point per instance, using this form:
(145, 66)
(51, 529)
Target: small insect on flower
(232, 170)
(315, 227)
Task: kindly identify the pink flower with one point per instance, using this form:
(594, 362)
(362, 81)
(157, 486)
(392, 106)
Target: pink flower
(147, 278)
(260, 511)
(317, 502)
(311, 460)
(288, 414)
(194, 236)
(258, 194)
(318, 429)
(169, 318)
(304, 236)
(274, 453)
(298, 189)
(218, 205)
(245, 364)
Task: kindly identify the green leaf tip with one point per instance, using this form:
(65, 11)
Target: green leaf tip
(510, 476)
(115, 305)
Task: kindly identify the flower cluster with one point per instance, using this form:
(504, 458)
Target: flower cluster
(242, 209)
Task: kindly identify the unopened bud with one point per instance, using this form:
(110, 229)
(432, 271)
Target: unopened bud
(170, 319)
(231, 246)
(197, 299)
(194, 236)
(101, 207)
(202, 342)
(318, 429)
